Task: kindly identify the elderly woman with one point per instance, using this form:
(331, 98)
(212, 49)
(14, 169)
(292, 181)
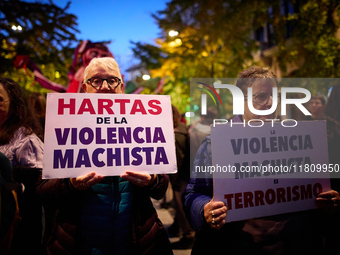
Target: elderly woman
(105, 215)
(20, 142)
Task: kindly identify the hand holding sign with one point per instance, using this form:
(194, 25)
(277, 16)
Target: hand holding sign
(215, 213)
(328, 199)
(139, 179)
(86, 181)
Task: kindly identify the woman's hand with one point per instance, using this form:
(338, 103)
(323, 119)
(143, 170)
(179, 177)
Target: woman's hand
(215, 213)
(86, 181)
(139, 179)
(328, 199)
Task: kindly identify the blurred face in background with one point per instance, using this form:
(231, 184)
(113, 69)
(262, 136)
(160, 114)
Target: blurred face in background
(315, 107)
(94, 53)
(4, 105)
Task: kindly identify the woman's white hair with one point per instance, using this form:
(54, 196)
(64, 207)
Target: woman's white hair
(107, 63)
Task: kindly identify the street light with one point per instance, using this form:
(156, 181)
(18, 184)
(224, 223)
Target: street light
(189, 114)
(146, 77)
(14, 27)
(173, 33)
(175, 43)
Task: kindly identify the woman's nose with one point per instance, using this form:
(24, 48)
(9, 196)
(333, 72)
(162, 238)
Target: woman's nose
(105, 86)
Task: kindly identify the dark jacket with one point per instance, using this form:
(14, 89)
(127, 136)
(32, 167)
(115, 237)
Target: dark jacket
(147, 232)
(27, 236)
(9, 209)
(106, 212)
(333, 139)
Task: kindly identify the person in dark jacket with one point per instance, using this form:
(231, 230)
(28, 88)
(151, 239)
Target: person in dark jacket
(105, 215)
(332, 116)
(291, 233)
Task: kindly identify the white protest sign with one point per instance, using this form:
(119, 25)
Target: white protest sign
(108, 134)
(269, 170)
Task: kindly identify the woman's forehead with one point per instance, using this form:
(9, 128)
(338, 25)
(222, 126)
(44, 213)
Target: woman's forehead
(3, 91)
(102, 71)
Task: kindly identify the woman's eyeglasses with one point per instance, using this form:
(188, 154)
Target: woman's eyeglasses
(97, 82)
(261, 98)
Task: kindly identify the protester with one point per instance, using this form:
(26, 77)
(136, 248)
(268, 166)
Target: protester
(179, 181)
(291, 233)
(105, 215)
(20, 142)
(316, 106)
(332, 117)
